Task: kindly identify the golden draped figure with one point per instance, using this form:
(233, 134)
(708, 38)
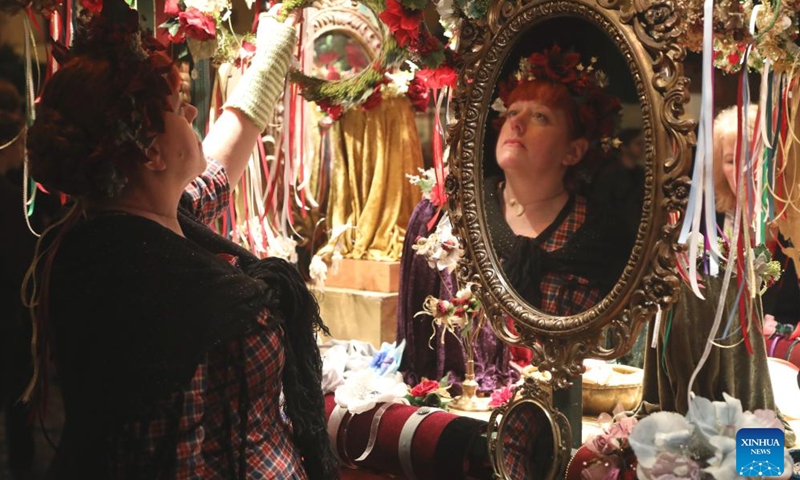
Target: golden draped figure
(372, 152)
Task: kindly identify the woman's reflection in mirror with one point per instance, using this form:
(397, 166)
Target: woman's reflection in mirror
(560, 252)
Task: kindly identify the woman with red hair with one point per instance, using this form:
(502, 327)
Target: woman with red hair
(560, 254)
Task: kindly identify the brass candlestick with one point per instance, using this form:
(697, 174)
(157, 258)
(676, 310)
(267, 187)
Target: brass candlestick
(468, 400)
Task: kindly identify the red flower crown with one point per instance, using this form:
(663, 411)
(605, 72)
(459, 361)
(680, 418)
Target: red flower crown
(598, 111)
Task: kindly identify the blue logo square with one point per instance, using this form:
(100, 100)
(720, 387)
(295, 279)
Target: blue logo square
(759, 452)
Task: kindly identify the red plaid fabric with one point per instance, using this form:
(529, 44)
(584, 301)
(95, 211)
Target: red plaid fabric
(269, 451)
(525, 451)
(210, 192)
(564, 294)
(184, 409)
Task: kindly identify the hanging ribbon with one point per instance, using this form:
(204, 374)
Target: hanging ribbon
(440, 197)
(701, 196)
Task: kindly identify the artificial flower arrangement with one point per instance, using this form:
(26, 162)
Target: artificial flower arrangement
(614, 457)
(776, 32)
(456, 315)
(201, 24)
(441, 248)
(429, 393)
(699, 446)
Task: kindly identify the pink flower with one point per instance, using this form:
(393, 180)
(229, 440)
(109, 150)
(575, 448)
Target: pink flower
(621, 429)
(198, 25)
(501, 396)
(601, 469)
(603, 444)
(172, 8)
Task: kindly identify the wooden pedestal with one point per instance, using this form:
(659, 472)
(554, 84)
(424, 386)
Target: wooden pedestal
(367, 275)
(359, 315)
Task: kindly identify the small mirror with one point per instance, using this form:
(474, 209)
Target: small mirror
(529, 439)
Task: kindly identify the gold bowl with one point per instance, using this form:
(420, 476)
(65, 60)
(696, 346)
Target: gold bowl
(604, 398)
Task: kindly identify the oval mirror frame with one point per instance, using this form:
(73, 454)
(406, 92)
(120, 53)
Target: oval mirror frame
(645, 33)
(536, 394)
(343, 16)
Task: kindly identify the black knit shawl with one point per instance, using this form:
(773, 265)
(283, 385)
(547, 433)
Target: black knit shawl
(133, 310)
(597, 251)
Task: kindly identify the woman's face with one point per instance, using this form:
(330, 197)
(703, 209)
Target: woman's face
(534, 137)
(179, 145)
(728, 157)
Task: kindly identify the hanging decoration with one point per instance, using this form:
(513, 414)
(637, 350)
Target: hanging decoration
(205, 27)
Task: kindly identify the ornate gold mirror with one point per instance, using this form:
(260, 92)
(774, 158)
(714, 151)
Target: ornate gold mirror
(346, 39)
(620, 269)
(528, 439)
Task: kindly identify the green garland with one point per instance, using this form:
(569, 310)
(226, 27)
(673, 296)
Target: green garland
(352, 90)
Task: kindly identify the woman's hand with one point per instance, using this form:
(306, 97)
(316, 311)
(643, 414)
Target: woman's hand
(249, 107)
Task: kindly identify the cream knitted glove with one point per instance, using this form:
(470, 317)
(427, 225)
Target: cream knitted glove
(261, 85)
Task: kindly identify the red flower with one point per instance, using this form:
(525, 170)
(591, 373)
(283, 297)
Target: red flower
(172, 8)
(424, 388)
(198, 25)
(331, 73)
(555, 65)
(355, 56)
(403, 24)
(93, 6)
(332, 110)
(444, 76)
(374, 100)
(246, 52)
(178, 37)
(327, 57)
(734, 58)
(426, 44)
(418, 94)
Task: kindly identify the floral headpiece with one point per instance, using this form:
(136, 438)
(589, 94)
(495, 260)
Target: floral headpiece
(598, 111)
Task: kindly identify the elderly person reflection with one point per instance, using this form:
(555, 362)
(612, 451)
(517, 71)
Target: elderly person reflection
(560, 253)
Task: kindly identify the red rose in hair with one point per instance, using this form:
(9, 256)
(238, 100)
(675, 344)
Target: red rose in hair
(198, 25)
(425, 387)
(374, 100)
(402, 24)
(556, 66)
(93, 6)
(172, 8)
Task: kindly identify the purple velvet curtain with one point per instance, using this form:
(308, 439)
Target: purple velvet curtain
(429, 357)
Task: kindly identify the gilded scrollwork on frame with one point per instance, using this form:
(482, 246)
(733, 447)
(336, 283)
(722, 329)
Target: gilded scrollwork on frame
(645, 33)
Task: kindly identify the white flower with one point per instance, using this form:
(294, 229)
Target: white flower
(426, 180)
(318, 270)
(447, 17)
(499, 106)
(365, 388)
(283, 247)
(208, 6)
(399, 82)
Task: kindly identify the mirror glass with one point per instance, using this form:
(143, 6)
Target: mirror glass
(528, 443)
(338, 54)
(564, 166)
